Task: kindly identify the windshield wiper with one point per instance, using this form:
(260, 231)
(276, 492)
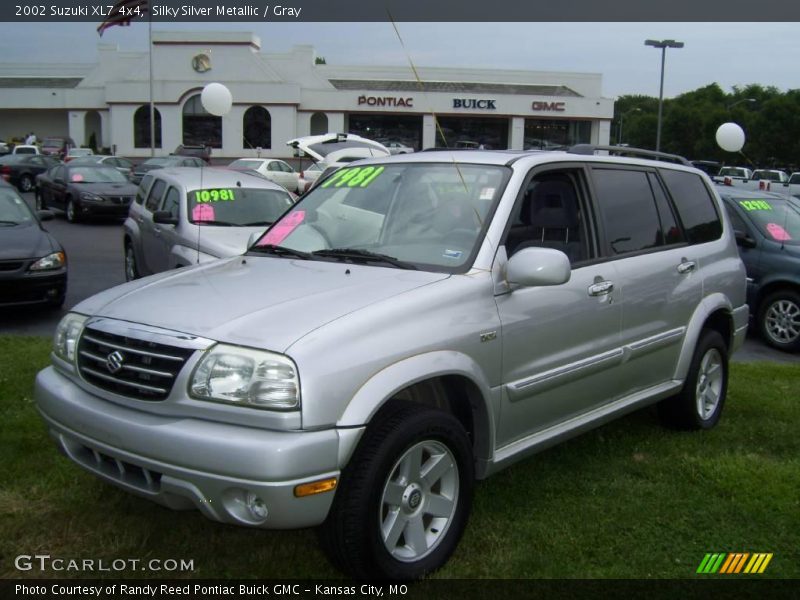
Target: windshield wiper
(254, 223)
(9, 223)
(212, 222)
(280, 251)
(359, 255)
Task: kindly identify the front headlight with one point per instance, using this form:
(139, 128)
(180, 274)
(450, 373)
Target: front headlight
(91, 197)
(246, 377)
(65, 341)
(56, 260)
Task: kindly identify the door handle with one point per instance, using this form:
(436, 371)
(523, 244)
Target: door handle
(601, 288)
(686, 266)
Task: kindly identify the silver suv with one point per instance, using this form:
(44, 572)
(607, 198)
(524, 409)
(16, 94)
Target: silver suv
(412, 324)
(183, 216)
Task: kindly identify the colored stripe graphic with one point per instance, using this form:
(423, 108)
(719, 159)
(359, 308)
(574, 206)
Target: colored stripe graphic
(734, 563)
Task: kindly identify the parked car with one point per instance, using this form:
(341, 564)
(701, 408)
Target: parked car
(772, 175)
(33, 265)
(160, 162)
(123, 165)
(709, 167)
(767, 228)
(21, 170)
(271, 168)
(25, 149)
(333, 150)
(84, 190)
(73, 153)
(397, 147)
(308, 177)
(741, 173)
(4, 148)
(411, 324)
(182, 217)
(201, 152)
(57, 146)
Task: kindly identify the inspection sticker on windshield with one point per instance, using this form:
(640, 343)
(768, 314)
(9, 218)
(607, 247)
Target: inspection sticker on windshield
(487, 193)
(215, 195)
(755, 205)
(353, 177)
(456, 254)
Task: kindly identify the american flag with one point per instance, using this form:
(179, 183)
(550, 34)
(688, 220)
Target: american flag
(122, 13)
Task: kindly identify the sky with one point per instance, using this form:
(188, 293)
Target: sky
(730, 54)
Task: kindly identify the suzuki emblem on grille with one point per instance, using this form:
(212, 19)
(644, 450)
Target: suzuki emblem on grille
(114, 361)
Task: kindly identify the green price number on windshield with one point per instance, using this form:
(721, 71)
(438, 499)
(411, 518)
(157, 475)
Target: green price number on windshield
(224, 195)
(755, 205)
(353, 177)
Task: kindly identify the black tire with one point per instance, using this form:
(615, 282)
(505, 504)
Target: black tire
(131, 268)
(699, 403)
(372, 492)
(72, 212)
(25, 183)
(778, 320)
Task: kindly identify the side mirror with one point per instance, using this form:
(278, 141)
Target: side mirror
(45, 215)
(164, 217)
(743, 240)
(538, 267)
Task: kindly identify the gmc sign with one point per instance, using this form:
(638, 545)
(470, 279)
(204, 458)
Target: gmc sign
(550, 106)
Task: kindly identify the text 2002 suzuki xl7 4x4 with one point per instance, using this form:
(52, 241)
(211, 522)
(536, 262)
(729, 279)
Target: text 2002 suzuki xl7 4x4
(413, 324)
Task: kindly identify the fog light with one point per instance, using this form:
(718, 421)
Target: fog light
(256, 506)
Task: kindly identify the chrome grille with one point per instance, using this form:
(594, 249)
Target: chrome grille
(128, 366)
(120, 199)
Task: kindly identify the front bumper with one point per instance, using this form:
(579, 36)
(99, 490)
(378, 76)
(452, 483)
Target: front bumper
(186, 463)
(23, 287)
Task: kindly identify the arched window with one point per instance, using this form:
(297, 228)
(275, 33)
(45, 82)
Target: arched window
(200, 128)
(256, 128)
(141, 127)
(319, 123)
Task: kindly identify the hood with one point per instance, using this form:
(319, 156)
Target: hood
(227, 241)
(263, 302)
(25, 241)
(332, 147)
(143, 168)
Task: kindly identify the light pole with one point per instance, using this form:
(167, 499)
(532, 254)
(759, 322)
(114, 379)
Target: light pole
(621, 118)
(663, 44)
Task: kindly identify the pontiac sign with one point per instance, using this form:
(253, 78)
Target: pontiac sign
(386, 101)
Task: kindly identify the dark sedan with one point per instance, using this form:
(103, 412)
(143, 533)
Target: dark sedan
(33, 265)
(21, 169)
(161, 162)
(85, 190)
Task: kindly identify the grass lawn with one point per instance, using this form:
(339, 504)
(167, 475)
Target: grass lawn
(628, 500)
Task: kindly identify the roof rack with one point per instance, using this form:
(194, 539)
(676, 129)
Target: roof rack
(628, 151)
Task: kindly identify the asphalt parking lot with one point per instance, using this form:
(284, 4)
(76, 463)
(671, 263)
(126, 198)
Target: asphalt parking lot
(94, 251)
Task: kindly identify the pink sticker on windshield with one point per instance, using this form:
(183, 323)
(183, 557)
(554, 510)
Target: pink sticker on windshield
(281, 231)
(778, 233)
(202, 212)
(77, 177)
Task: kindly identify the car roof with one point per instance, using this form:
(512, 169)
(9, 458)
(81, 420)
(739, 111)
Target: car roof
(212, 177)
(734, 193)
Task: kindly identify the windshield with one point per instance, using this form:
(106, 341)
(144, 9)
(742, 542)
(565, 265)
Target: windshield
(244, 163)
(732, 172)
(237, 206)
(13, 210)
(96, 175)
(165, 160)
(777, 219)
(428, 215)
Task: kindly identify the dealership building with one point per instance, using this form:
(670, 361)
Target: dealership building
(277, 97)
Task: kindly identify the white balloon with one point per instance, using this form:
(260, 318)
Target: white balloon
(730, 137)
(216, 99)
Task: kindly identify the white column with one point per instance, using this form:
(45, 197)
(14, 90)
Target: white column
(105, 129)
(335, 122)
(516, 135)
(428, 132)
(77, 126)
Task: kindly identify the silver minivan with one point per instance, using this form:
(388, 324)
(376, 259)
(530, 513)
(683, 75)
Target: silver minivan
(184, 216)
(413, 324)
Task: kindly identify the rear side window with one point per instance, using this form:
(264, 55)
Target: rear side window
(628, 209)
(695, 206)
